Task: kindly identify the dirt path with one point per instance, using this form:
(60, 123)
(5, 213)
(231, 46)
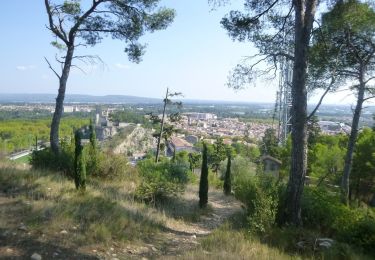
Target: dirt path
(186, 236)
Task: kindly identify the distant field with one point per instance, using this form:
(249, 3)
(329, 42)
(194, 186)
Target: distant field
(20, 134)
(25, 159)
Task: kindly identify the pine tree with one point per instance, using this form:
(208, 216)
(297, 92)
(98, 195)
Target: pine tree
(75, 24)
(227, 178)
(203, 184)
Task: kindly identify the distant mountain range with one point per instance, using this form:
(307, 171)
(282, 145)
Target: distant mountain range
(124, 99)
(75, 98)
(108, 99)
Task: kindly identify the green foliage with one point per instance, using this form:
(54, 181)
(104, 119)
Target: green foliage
(323, 210)
(194, 160)
(269, 144)
(343, 43)
(217, 153)
(19, 134)
(161, 180)
(132, 20)
(313, 131)
(246, 150)
(227, 178)
(326, 159)
(129, 116)
(79, 163)
(97, 163)
(63, 162)
(260, 194)
(239, 166)
(362, 177)
(214, 180)
(361, 233)
(203, 183)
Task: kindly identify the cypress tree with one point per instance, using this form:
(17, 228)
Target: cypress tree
(227, 179)
(93, 163)
(79, 163)
(203, 184)
(93, 141)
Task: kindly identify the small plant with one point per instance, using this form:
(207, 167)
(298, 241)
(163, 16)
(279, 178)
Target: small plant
(203, 184)
(227, 178)
(79, 163)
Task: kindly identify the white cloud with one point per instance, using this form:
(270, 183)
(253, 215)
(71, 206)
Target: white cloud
(122, 66)
(25, 67)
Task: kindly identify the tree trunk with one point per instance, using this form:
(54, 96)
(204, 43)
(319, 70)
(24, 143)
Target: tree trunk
(352, 140)
(161, 129)
(304, 16)
(54, 134)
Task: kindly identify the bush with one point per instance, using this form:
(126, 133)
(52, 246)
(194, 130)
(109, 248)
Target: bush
(214, 180)
(260, 195)
(110, 166)
(161, 180)
(323, 210)
(361, 233)
(47, 160)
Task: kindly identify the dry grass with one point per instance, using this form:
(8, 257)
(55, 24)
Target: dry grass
(106, 212)
(106, 220)
(226, 243)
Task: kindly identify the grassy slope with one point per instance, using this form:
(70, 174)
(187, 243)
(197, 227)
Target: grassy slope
(107, 222)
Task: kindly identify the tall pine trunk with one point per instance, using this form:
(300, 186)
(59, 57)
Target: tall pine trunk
(304, 16)
(345, 182)
(59, 108)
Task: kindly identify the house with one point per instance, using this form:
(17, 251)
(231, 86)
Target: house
(192, 139)
(271, 165)
(178, 144)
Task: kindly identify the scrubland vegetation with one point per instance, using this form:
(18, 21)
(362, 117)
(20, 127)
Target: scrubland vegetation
(130, 208)
(80, 202)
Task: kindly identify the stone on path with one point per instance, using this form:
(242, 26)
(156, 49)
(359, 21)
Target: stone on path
(36, 256)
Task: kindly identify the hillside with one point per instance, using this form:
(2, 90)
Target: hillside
(42, 213)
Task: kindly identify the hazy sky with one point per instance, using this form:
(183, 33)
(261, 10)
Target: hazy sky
(194, 56)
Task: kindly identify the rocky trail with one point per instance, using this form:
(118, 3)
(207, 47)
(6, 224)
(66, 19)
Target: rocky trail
(186, 236)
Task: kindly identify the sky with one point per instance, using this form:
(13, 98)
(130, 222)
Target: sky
(193, 56)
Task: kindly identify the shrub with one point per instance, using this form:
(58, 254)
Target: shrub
(98, 163)
(260, 195)
(323, 210)
(161, 180)
(111, 166)
(48, 160)
(361, 233)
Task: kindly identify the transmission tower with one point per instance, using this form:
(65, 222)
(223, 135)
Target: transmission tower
(284, 100)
